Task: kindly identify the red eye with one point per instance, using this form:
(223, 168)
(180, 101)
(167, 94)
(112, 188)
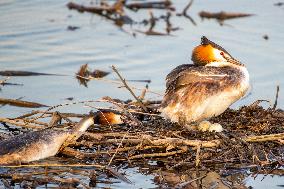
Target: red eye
(222, 53)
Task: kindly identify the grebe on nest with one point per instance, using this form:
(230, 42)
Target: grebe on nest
(206, 88)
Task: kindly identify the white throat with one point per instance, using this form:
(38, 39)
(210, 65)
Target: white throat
(221, 64)
(243, 69)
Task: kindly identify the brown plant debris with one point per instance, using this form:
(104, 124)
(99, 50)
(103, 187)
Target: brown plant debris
(84, 74)
(185, 14)
(166, 4)
(139, 101)
(23, 73)
(222, 16)
(116, 13)
(113, 12)
(119, 12)
(21, 103)
(152, 21)
(251, 143)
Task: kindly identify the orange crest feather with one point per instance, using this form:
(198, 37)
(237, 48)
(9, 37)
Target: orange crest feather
(203, 54)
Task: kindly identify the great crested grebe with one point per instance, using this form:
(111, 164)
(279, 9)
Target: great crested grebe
(40, 144)
(48, 142)
(206, 88)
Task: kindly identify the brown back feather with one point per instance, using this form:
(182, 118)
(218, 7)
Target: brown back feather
(189, 81)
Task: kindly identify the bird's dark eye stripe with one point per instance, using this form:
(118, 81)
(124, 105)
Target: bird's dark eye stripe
(205, 41)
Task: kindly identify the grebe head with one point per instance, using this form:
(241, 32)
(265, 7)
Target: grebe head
(209, 53)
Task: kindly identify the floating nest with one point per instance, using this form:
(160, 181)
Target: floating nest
(251, 143)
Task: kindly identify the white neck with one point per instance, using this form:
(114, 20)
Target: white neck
(222, 64)
(243, 69)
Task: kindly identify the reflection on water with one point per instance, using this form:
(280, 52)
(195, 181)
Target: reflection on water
(34, 37)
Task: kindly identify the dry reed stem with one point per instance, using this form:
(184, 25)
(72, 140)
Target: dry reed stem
(63, 114)
(20, 123)
(183, 150)
(47, 179)
(78, 154)
(197, 159)
(21, 103)
(129, 89)
(276, 98)
(27, 120)
(54, 165)
(28, 114)
(119, 83)
(265, 138)
(56, 118)
(116, 151)
(154, 141)
(185, 10)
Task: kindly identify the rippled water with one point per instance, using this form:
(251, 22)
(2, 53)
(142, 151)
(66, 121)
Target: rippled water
(34, 37)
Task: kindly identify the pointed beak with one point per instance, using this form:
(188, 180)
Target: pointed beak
(235, 61)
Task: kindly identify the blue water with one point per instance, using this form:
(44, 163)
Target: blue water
(34, 37)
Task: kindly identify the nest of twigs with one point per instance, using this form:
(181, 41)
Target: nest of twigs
(252, 142)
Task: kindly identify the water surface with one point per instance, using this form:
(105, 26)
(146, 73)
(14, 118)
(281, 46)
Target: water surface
(34, 37)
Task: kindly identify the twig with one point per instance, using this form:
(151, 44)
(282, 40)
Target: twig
(62, 114)
(166, 4)
(158, 154)
(105, 11)
(265, 138)
(197, 159)
(56, 117)
(257, 102)
(118, 82)
(24, 73)
(21, 103)
(187, 7)
(44, 179)
(129, 89)
(114, 12)
(54, 165)
(117, 149)
(186, 183)
(222, 16)
(77, 154)
(152, 22)
(64, 104)
(184, 13)
(27, 115)
(149, 140)
(20, 123)
(276, 98)
(27, 120)
(156, 141)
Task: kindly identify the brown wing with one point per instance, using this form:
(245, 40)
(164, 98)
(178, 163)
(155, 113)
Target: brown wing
(175, 72)
(195, 83)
